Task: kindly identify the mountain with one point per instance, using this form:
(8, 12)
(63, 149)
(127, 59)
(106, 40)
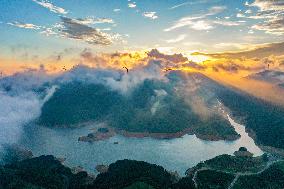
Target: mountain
(124, 173)
(153, 106)
(239, 172)
(47, 172)
(263, 120)
(273, 177)
(183, 103)
(39, 173)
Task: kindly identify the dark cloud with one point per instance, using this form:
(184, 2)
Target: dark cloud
(273, 26)
(231, 67)
(269, 4)
(270, 76)
(74, 29)
(194, 65)
(77, 29)
(272, 11)
(235, 66)
(276, 49)
(131, 60)
(265, 56)
(175, 58)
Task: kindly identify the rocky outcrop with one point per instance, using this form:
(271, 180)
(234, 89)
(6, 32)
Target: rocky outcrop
(243, 152)
(101, 133)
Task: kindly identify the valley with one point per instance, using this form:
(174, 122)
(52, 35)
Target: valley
(149, 94)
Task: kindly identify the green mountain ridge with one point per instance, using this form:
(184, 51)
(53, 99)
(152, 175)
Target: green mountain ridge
(78, 102)
(264, 119)
(143, 110)
(46, 172)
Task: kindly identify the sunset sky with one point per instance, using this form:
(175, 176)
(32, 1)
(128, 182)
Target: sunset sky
(187, 45)
(40, 31)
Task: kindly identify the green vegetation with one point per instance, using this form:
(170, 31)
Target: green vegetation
(172, 115)
(46, 172)
(125, 173)
(272, 178)
(41, 172)
(217, 128)
(209, 179)
(254, 172)
(264, 118)
(76, 102)
(236, 164)
(243, 149)
(184, 183)
(13, 153)
(139, 185)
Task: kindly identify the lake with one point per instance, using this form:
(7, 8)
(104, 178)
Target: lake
(174, 154)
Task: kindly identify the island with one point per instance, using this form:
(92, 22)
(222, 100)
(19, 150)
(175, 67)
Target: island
(101, 133)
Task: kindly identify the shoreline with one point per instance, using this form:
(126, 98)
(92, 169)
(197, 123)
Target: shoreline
(217, 138)
(269, 149)
(154, 135)
(130, 134)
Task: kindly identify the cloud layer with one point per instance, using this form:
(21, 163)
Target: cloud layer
(74, 29)
(197, 22)
(51, 7)
(21, 98)
(25, 25)
(272, 13)
(22, 95)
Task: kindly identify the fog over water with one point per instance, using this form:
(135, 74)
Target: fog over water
(20, 104)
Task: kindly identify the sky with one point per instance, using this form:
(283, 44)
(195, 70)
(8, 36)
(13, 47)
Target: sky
(239, 43)
(42, 30)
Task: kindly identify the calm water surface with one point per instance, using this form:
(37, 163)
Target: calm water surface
(175, 154)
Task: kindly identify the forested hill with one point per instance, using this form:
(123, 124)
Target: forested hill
(46, 172)
(266, 120)
(152, 106)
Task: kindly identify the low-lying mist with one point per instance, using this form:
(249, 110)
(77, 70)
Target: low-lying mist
(23, 94)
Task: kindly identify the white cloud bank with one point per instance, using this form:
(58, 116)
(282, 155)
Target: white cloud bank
(21, 98)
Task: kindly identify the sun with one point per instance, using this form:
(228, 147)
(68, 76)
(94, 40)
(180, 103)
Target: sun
(197, 58)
